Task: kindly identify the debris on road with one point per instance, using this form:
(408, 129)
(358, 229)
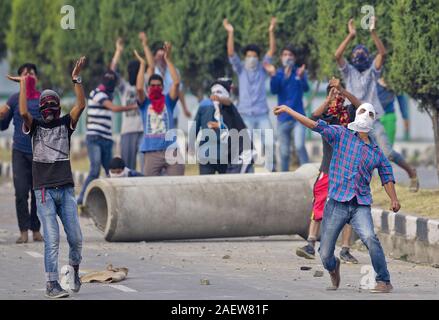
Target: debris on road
(318, 274)
(226, 257)
(205, 282)
(305, 268)
(110, 275)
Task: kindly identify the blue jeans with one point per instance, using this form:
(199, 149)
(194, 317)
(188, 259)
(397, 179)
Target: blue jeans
(100, 153)
(263, 122)
(50, 204)
(285, 129)
(336, 216)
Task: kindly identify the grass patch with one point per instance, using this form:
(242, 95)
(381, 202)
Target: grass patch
(424, 203)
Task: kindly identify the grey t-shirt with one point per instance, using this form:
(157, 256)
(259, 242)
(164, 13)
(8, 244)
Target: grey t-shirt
(131, 121)
(363, 85)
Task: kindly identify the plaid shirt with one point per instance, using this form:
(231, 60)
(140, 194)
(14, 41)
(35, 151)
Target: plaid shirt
(352, 164)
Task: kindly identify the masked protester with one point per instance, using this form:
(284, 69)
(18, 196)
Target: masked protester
(252, 77)
(334, 112)
(99, 132)
(118, 169)
(22, 154)
(355, 156)
(52, 176)
(361, 77)
(161, 155)
(290, 83)
(217, 126)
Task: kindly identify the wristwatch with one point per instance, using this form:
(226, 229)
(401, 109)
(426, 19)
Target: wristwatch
(77, 80)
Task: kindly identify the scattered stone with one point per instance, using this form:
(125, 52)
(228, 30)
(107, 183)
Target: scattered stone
(142, 258)
(205, 282)
(416, 285)
(226, 257)
(264, 269)
(318, 274)
(305, 268)
(436, 265)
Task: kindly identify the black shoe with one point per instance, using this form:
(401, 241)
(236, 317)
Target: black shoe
(77, 283)
(54, 290)
(346, 257)
(306, 252)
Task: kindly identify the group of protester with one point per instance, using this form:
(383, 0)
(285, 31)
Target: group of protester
(354, 140)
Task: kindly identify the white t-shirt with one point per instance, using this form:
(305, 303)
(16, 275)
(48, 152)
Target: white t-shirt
(131, 121)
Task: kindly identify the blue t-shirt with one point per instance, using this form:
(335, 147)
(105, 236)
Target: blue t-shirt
(155, 126)
(21, 141)
(289, 91)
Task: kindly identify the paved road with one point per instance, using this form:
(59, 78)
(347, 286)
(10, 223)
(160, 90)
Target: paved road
(257, 268)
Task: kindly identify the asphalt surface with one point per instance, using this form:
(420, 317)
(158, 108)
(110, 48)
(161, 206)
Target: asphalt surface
(237, 269)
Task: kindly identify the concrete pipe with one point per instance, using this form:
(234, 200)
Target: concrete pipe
(202, 207)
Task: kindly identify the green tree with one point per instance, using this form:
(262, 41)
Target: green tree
(5, 11)
(414, 65)
(29, 37)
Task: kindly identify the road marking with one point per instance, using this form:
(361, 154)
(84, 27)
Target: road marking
(34, 254)
(121, 288)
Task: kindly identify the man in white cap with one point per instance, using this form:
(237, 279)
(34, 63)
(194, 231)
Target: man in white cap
(355, 156)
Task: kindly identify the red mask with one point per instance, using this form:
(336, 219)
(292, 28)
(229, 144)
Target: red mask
(338, 110)
(31, 91)
(155, 95)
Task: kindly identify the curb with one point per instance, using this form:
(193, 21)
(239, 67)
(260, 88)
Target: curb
(408, 237)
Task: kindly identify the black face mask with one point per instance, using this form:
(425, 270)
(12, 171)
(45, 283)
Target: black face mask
(110, 81)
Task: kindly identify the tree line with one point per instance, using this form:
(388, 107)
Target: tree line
(31, 31)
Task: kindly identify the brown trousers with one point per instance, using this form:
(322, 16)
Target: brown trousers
(156, 165)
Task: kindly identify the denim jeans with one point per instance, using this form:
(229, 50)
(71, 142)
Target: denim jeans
(284, 131)
(50, 204)
(129, 148)
(380, 136)
(263, 122)
(100, 153)
(336, 216)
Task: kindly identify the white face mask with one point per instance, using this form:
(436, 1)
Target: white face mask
(363, 121)
(288, 62)
(123, 174)
(251, 63)
(220, 91)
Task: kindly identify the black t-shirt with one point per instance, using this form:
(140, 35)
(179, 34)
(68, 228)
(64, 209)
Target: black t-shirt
(51, 153)
(327, 149)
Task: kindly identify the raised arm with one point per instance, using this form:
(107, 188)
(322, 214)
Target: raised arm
(230, 38)
(307, 122)
(325, 105)
(140, 82)
(22, 102)
(335, 83)
(80, 105)
(341, 49)
(173, 93)
(117, 54)
(272, 37)
(382, 52)
(148, 54)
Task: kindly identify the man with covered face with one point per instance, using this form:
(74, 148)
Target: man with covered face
(224, 145)
(355, 156)
(52, 176)
(99, 135)
(252, 77)
(361, 78)
(156, 109)
(22, 154)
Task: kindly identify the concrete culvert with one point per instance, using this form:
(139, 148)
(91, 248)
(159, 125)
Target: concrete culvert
(202, 207)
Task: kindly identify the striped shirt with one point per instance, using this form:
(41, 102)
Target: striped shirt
(99, 118)
(352, 164)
